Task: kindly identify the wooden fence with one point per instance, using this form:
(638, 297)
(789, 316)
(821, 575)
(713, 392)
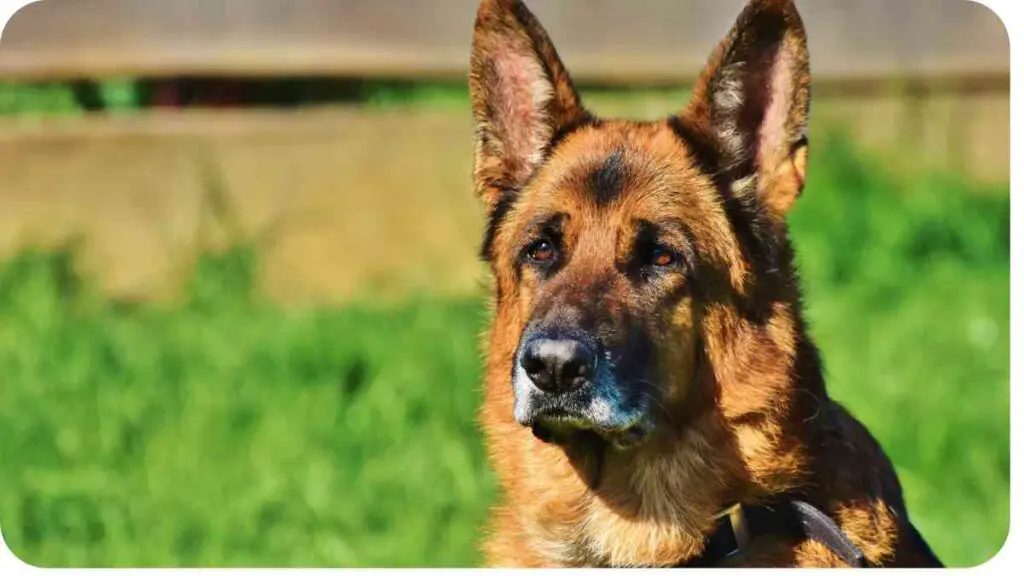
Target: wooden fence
(926, 79)
(616, 41)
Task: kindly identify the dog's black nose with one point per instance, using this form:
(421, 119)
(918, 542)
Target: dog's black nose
(557, 365)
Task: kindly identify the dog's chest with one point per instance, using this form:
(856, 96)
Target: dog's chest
(595, 534)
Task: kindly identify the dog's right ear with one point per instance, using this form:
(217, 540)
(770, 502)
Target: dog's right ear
(522, 97)
(753, 99)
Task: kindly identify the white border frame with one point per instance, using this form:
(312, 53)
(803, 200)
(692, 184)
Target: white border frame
(1008, 556)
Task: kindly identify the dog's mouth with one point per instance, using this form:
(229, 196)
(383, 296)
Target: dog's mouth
(627, 439)
(560, 425)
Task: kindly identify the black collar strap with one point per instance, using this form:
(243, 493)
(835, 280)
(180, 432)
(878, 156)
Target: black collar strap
(738, 525)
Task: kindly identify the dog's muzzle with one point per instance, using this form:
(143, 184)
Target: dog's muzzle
(563, 382)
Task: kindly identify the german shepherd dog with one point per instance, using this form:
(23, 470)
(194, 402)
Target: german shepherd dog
(652, 397)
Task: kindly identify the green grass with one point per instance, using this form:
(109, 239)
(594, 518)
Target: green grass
(226, 431)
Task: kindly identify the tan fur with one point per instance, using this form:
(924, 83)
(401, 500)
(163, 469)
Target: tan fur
(742, 414)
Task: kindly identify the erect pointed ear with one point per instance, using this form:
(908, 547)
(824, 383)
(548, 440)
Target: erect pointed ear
(522, 97)
(753, 100)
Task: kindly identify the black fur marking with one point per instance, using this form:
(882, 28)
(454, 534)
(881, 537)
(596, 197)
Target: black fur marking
(633, 352)
(494, 220)
(747, 219)
(742, 211)
(609, 179)
(702, 148)
(565, 131)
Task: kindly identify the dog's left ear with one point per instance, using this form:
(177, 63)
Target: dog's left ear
(753, 101)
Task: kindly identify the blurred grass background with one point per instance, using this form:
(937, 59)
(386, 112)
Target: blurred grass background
(225, 429)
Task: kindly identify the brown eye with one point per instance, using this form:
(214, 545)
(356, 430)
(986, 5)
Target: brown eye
(542, 251)
(661, 257)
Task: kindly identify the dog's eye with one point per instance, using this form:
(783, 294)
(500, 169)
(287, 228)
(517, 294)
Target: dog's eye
(658, 256)
(661, 257)
(541, 251)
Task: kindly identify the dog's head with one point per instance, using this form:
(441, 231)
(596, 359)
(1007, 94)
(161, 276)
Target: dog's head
(617, 246)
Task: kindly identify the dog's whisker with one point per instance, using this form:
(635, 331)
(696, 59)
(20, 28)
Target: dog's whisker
(649, 394)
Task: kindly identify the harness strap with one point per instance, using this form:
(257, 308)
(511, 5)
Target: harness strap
(794, 517)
